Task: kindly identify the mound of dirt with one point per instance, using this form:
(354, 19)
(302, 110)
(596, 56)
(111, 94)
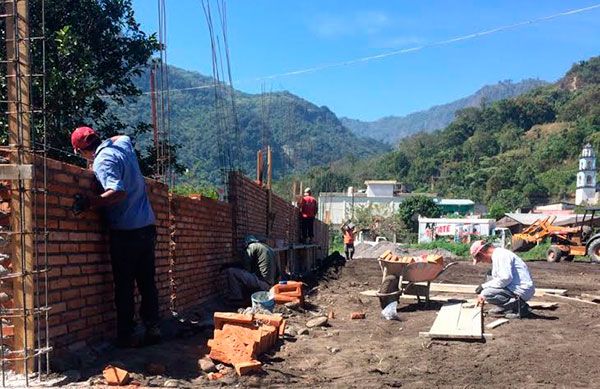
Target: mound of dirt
(371, 251)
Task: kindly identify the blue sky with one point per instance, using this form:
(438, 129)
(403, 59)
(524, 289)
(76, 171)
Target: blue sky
(268, 37)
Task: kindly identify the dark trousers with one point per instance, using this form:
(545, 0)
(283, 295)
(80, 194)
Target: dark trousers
(349, 251)
(132, 257)
(306, 223)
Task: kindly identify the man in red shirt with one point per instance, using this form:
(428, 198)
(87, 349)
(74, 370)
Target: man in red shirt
(308, 211)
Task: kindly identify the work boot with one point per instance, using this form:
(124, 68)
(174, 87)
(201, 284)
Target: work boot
(152, 335)
(497, 312)
(523, 310)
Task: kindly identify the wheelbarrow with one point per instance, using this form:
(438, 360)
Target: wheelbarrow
(409, 277)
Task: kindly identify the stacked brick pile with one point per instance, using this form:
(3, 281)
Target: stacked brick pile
(239, 339)
(290, 292)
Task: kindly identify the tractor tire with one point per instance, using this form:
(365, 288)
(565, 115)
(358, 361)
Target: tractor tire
(594, 251)
(520, 245)
(389, 285)
(554, 254)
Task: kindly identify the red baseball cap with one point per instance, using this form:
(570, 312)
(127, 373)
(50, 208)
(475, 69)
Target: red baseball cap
(82, 137)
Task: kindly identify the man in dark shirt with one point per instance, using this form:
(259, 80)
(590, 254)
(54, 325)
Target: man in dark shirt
(260, 272)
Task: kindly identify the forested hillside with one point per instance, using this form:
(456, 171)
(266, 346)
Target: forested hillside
(393, 128)
(301, 134)
(514, 152)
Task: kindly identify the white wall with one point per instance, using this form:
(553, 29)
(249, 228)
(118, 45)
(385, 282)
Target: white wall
(380, 190)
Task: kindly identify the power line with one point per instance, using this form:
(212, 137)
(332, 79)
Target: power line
(405, 50)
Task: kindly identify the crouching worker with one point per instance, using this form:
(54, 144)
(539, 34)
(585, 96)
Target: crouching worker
(259, 272)
(509, 286)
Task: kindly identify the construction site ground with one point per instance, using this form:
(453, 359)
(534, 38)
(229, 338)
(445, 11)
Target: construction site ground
(558, 347)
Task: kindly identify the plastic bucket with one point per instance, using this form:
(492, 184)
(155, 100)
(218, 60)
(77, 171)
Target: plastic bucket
(264, 300)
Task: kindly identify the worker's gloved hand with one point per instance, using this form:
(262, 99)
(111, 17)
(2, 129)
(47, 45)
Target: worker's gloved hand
(479, 289)
(81, 203)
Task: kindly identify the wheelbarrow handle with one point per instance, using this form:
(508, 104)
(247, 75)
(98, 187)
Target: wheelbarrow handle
(446, 267)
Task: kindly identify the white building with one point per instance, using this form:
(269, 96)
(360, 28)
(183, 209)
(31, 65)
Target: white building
(585, 194)
(384, 198)
(457, 229)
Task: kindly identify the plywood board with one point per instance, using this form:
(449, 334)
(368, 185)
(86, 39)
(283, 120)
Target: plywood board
(456, 322)
(470, 289)
(496, 323)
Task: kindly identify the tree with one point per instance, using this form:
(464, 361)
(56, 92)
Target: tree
(415, 206)
(378, 219)
(94, 49)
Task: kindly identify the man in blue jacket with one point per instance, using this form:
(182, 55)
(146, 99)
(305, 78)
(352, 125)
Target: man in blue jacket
(509, 286)
(132, 228)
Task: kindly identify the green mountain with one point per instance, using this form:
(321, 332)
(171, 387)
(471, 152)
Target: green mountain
(393, 128)
(511, 153)
(300, 133)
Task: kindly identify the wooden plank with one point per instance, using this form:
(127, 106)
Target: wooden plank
(375, 293)
(456, 322)
(593, 297)
(470, 289)
(496, 323)
(16, 172)
(542, 305)
(486, 336)
(18, 87)
(572, 299)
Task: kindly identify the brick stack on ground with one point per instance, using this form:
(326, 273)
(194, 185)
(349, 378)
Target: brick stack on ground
(239, 339)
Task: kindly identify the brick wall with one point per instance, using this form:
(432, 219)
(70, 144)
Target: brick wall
(194, 238)
(251, 201)
(199, 250)
(80, 279)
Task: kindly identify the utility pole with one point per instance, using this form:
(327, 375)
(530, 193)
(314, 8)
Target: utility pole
(21, 218)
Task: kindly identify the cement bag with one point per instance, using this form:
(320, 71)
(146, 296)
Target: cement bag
(390, 311)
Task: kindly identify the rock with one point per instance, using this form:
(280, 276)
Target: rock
(207, 365)
(155, 368)
(303, 331)
(254, 382)
(156, 381)
(334, 350)
(214, 376)
(171, 383)
(317, 322)
(290, 331)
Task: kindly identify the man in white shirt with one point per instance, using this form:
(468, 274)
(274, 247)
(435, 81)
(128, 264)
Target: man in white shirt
(509, 286)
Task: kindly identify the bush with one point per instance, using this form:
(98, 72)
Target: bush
(337, 241)
(538, 252)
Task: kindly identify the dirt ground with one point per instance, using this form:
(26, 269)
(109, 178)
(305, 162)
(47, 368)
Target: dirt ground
(555, 348)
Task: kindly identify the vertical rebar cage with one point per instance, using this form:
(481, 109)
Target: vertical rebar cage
(24, 309)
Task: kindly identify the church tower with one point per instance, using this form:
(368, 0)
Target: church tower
(586, 177)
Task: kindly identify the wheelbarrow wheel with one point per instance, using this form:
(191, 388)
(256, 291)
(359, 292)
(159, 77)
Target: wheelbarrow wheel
(389, 285)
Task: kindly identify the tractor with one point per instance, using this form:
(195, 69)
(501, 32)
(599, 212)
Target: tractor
(567, 242)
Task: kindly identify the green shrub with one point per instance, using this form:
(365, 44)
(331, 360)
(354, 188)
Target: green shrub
(538, 252)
